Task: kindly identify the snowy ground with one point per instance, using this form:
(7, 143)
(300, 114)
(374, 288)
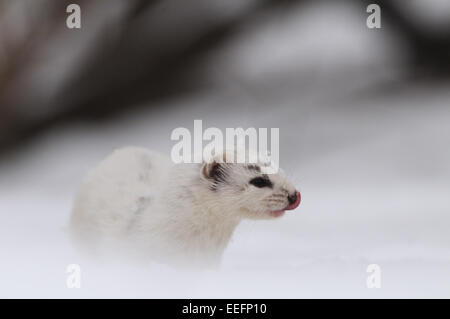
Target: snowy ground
(373, 169)
(375, 187)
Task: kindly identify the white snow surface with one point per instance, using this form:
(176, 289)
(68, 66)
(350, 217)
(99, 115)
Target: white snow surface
(373, 169)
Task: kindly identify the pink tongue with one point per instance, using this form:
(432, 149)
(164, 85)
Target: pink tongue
(277, 213)
(295, 205)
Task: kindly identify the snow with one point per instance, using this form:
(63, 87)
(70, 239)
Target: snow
(373, 169)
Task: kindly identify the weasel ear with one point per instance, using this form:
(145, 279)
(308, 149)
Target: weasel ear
(214, 171)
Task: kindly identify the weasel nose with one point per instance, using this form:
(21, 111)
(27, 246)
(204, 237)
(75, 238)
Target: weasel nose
(292, 198)
(294, 201)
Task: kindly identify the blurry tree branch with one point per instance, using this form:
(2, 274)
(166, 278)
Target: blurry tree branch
(151, 52)
(429, 51)
(140, 51)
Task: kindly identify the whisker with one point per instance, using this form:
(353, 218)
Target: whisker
(275, 201)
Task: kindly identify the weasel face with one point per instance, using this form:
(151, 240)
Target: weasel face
(244, 188)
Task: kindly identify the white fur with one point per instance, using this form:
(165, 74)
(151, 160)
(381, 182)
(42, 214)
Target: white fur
(137, 201)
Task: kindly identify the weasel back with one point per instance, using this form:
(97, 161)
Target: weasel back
(116, 192)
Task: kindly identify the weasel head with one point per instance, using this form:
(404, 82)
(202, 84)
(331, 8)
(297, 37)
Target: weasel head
(247, 191)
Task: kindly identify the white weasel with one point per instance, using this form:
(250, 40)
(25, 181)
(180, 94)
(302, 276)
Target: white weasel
(137, 200)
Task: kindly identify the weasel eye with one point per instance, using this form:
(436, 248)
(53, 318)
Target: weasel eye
(261, 182)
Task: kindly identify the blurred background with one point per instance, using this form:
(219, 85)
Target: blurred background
(364, 118)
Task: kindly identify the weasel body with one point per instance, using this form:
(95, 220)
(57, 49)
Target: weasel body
(138, 201)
